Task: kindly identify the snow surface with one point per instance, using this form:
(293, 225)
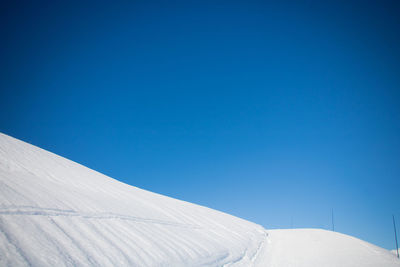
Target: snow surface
(394, 251)
(55, 212)
(316, 247)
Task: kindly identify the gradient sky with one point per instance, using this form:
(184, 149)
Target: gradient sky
(276, 112)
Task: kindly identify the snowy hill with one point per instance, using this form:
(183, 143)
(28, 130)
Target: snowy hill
(54, 212)
(315, 247)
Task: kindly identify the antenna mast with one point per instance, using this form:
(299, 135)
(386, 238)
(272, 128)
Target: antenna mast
(395, 237)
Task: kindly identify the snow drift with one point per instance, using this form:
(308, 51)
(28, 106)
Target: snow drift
(316, 247)
(54, 212)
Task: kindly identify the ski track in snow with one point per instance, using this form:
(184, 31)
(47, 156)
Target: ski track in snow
(260, 247)
(224, 259)
(245, 255)
(38, 211)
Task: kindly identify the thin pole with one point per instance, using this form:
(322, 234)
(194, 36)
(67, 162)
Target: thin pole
(395, 237)
(333, 223)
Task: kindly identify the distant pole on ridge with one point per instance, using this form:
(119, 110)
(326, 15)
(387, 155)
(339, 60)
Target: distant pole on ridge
(333, 223)
(395, 237)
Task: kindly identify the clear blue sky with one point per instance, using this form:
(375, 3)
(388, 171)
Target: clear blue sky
(265, 110)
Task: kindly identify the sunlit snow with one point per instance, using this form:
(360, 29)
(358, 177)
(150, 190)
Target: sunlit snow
(55, 212)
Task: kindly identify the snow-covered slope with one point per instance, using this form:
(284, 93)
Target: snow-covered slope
(54, 212)
(316, 247)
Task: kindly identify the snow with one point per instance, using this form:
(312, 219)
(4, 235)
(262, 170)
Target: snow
(394, 251)
(55, 212)
(317, 247)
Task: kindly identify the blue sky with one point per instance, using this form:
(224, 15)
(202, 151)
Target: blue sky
(271, 111)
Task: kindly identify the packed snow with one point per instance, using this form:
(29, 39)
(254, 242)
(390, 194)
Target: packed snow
(55, 212)
(316, 247)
